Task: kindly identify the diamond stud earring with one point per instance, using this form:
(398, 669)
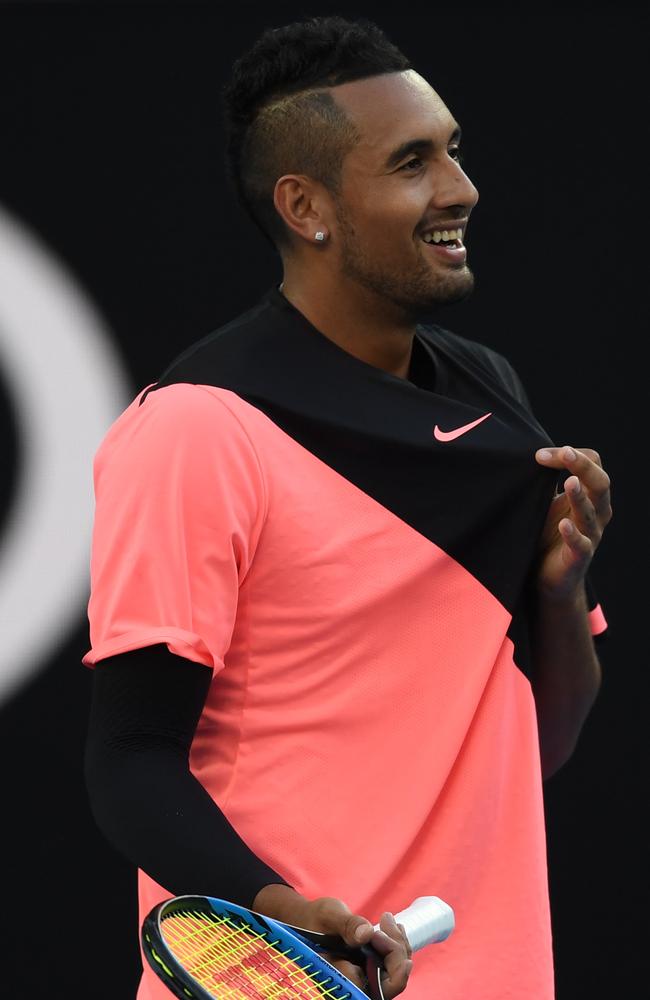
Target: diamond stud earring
(320, 235)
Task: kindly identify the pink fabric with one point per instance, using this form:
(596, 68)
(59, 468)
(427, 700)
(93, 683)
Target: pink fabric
(597, 620)
(367, 731)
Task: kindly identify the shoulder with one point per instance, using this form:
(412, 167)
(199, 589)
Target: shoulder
(178, 428)
(176, 411)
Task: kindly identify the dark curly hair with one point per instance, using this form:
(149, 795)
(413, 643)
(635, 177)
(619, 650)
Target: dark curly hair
(280, 117)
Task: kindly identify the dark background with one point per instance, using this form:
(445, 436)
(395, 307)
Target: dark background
(111, 149)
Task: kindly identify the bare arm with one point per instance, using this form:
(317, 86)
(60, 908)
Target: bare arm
(566, 669)
(566, 676)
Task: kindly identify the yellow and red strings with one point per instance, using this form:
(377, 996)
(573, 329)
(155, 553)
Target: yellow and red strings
(238, 962)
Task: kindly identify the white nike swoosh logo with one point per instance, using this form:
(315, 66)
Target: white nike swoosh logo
(452, 435)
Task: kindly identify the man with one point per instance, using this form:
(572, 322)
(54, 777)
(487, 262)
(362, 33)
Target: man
(330, 569)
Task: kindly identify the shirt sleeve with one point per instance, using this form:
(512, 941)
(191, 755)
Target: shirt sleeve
(597, 619)
(180, 501)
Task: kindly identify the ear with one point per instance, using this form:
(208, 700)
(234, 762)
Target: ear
(303, 205)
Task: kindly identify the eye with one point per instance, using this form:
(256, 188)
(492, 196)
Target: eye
(456, 154)
(409, 163)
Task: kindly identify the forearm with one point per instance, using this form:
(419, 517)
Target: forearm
(566, 674)
(144, 797)
(155, 813)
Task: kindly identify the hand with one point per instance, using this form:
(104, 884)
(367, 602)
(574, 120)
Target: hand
(576, 519)
(331, 916)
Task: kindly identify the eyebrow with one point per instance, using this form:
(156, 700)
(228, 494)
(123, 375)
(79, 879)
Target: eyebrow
(411, 145)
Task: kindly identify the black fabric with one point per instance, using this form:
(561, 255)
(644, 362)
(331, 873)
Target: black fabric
(477, 499)
(145, 707)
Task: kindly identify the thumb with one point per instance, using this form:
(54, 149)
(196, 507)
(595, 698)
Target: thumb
(337, 918)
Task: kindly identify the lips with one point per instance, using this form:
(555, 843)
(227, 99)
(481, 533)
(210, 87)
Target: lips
(437, 226)
(455, 253)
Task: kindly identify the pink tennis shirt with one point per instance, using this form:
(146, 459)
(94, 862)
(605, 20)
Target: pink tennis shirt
(350, 552)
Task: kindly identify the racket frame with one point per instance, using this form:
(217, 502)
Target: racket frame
(182, 983)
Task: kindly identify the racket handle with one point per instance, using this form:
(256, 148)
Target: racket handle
(428, 919)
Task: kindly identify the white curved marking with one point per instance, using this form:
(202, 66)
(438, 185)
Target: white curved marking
(67, 385)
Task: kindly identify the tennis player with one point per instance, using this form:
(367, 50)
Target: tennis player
(340, 616)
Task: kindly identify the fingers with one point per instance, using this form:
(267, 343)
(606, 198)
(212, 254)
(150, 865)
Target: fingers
(350, 971)
(332, 916)
(556, 458)
(409, 950)
(391, 943)
(587, 489)
(354, 930)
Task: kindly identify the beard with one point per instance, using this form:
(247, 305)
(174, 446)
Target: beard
(417, 291)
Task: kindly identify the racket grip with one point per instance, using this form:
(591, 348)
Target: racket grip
(428, 919)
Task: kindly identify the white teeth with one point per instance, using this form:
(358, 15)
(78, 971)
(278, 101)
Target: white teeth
(446, 234)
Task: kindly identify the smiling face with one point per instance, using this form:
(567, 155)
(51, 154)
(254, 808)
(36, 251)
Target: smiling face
(402, 181)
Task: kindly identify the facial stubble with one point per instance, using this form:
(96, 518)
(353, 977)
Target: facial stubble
(417, 290)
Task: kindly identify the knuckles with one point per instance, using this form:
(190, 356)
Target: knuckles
(593, 455)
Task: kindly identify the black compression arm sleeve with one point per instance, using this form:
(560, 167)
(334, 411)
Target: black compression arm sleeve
(145, 708)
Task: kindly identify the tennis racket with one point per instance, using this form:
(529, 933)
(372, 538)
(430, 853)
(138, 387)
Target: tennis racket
(204, 948)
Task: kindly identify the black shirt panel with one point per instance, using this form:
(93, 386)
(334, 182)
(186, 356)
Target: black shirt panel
(477, 497)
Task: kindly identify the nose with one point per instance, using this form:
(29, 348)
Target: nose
(453, 187)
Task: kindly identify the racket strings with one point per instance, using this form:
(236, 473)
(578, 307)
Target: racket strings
(242, 963)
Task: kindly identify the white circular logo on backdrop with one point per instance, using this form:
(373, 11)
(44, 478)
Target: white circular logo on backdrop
(67, 385)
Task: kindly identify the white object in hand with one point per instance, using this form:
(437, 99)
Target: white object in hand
(428, 919)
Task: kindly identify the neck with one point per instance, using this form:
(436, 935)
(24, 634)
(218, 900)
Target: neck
(356, 319)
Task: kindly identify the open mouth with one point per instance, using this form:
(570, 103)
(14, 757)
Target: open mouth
(444, 237)
(447, 244)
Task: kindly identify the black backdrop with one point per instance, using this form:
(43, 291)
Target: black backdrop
(111, 151)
